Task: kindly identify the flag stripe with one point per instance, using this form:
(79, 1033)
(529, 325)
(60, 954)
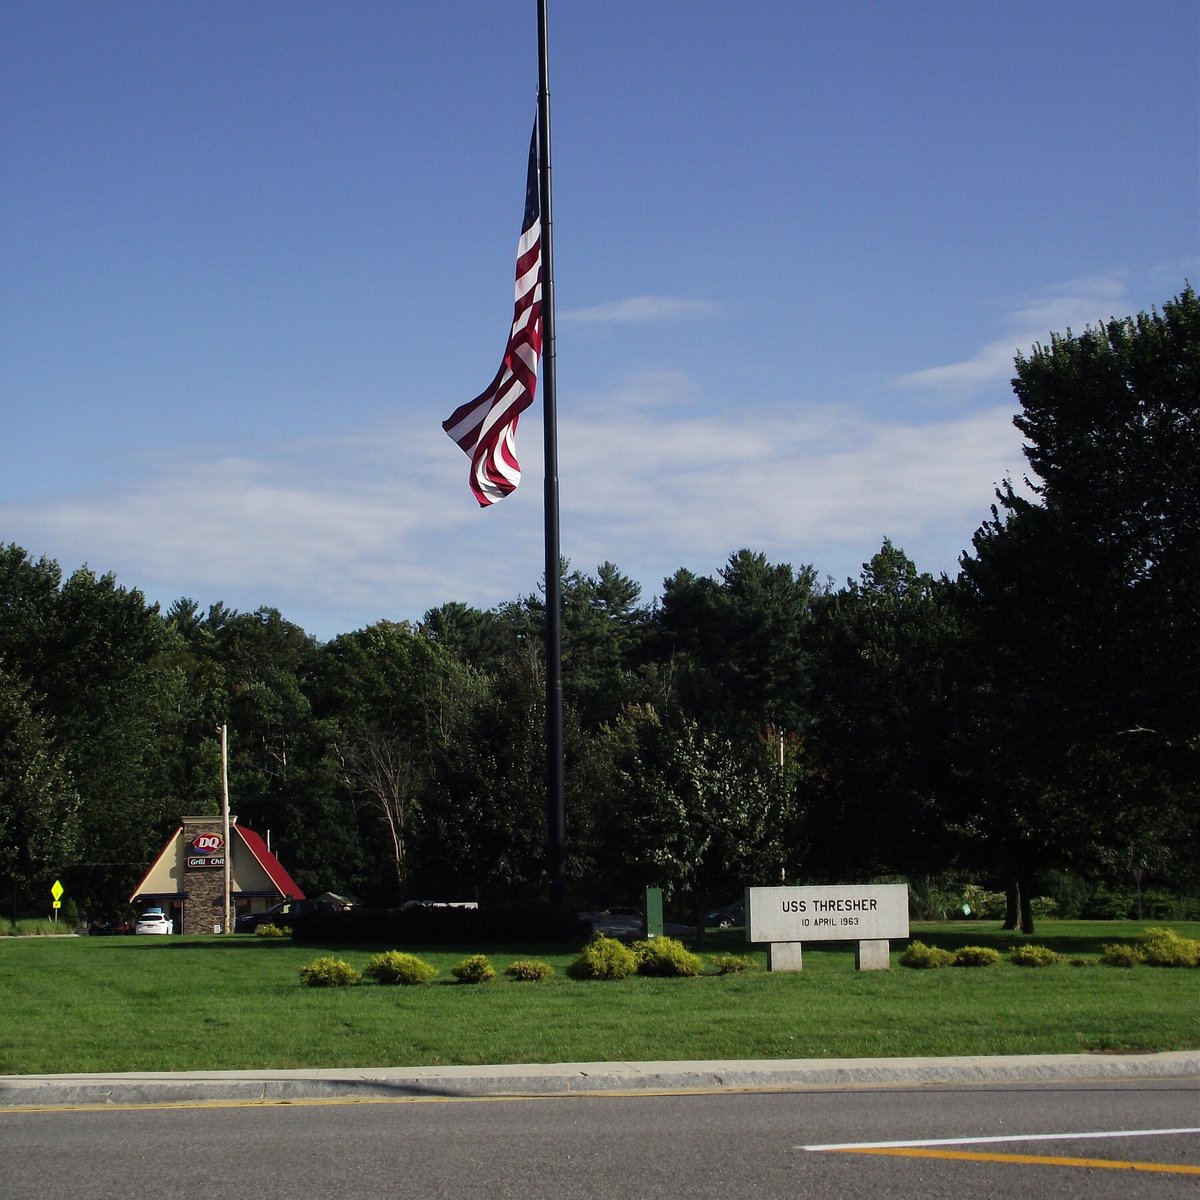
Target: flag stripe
(486, 427)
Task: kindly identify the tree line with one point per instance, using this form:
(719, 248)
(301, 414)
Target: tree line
(1038, 712)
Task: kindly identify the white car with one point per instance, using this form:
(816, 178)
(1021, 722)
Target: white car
(153, 922)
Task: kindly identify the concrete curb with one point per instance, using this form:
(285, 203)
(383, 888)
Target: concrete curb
(562, 1079)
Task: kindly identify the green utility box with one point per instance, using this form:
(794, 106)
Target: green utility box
(653, 912)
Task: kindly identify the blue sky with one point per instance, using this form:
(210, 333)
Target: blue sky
(253, 254)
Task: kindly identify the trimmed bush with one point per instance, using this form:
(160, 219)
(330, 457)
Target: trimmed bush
(473, 969)
(1121, 955)
(923, 957)
(528, 970)
(396, 967)
(604, 958)
(731, 964)
(1166, 948)
(269, 930)
(666, 956)
(976, 956)
(328, 971)
(1034, 956)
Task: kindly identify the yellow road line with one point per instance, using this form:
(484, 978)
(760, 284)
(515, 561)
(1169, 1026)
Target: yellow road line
(1029, 1159)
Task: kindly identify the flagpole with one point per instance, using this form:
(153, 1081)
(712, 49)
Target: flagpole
(556, 854)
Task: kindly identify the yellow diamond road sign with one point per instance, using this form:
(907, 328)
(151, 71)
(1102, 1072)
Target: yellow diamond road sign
(57, 890)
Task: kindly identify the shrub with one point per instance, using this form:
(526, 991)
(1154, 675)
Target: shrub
(473, 969)
(666, 956)
(328, 971)
(270, 930)
(1034, 956)
(976, 956)
(603, 958)
(1121, 955)
(929, 898)
(1166, 948)
(396, 967)
(731, 964)
(32, 928)
(528, 970)
(984, 905)
(1166, 906)
(923, 957)
(1069, 893)
(1105, 905)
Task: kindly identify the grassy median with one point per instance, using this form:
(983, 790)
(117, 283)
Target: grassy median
(211, 1003)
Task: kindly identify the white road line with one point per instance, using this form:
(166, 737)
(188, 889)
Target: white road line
(981, 1141)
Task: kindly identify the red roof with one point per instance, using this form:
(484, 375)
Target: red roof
(269, 863)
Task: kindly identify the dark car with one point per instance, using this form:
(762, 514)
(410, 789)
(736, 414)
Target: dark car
(727, 917)
(104, 927)
(283, 914)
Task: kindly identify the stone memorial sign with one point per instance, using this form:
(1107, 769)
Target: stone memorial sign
(786, 917)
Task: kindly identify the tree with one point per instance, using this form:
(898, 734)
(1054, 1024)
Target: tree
(39, 806)
(398, 701)
(483, 820)
(741, 643)
(878, 747)
(28, 611)
(691, 811)
(603, 635)
(283, 777)
(604, 631)
(479, 638)
(103, 691)
(1081, 740)
(378, 767)
(113, 695)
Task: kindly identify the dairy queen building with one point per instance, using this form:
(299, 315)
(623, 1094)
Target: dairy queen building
(187, 879)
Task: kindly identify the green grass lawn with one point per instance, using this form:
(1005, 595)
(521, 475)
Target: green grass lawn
(210, 1003)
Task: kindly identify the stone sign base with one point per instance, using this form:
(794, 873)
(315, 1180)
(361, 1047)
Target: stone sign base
(785, 956)
(868, 956)
(872, 956)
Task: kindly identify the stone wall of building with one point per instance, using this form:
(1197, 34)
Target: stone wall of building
(204, 886)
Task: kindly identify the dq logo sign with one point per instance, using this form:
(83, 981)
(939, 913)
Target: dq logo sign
(207, 843)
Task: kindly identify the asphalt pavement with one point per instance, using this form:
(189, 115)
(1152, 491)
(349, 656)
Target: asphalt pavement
(553, 1079)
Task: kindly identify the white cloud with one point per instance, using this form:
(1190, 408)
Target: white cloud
(339, 532)
(336, 533)
(644, 310)
(805, 485)
(1068, 306)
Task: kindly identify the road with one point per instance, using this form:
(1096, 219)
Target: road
(722, 1143)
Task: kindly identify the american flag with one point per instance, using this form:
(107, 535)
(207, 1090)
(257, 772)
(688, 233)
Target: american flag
(486, 427)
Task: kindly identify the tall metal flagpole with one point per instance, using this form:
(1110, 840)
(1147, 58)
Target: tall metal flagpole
(556, 838)
(228, 877)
